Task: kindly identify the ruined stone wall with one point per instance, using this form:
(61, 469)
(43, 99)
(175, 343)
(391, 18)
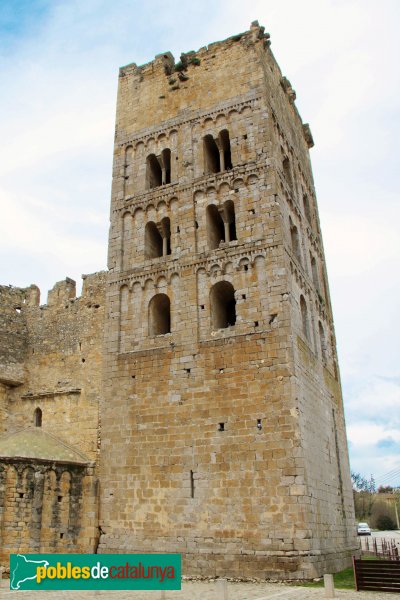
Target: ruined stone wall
(207, 429)
(51, 362)
(13, 332)
(46, 508)
(63, 365)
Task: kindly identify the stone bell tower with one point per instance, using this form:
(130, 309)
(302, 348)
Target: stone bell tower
(222, 425)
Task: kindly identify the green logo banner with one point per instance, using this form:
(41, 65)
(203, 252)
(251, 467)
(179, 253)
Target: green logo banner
(95, 572)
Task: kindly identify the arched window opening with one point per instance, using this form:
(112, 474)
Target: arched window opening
(166, 166)
(225, 150)
(307, 211)
(304, 318)
(37, 417)
(153, 172)
(159, 315)
(215, 227)
(229, 221)
(153, 242)
(314, 271)
(211, 155)
(287, 172)
(127, 167)
(322, 340)
(294, 236)
(166, 236)
(223, 305)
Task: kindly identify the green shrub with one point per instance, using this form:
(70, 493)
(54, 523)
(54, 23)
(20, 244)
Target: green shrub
(385, 522)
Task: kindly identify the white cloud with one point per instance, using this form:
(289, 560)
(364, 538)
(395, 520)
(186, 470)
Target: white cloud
(57, 112)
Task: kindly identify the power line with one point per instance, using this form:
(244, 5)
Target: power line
(389, 473)
(390, 478)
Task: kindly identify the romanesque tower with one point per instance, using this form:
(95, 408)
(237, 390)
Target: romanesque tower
(222, 425)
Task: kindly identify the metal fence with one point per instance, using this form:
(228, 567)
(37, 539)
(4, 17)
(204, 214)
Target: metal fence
(380, 547)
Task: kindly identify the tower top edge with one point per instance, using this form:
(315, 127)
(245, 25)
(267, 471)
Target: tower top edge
(167, 59)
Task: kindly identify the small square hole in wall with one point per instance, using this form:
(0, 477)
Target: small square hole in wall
(221, 370)
(246, 267)
(259, 424)
(196, 224)
(83, 360)
(243, 296)
(252, 211)
(236, 190)
(221, 427)
(178, 230)
(255, 323)
(59, 498)
(202, 306)
(245, 136)
(133, 376)
(187, 371)
(61, 536)
(21, 495)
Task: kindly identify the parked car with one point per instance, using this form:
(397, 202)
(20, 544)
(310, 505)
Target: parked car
(363, 529)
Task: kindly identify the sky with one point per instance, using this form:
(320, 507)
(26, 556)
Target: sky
(59, 63)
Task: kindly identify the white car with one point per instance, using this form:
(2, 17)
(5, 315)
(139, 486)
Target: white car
(363, 529)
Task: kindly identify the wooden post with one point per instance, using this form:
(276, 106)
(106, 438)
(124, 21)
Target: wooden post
(355, 573)
(329, 587)
(397, 514)
(222, 587)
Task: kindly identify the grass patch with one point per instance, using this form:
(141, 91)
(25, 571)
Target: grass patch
(344, 580)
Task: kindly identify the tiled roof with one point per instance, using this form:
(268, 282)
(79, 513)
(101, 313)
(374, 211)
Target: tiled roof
(36, 443)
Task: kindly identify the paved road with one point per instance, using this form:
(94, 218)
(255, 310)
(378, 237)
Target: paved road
(386, 534)
(204, 591)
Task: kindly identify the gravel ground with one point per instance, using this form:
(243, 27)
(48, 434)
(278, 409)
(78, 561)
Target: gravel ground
(201, 591)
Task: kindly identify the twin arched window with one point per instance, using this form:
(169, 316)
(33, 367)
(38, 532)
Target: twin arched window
(157, 238)
(305, 324)
(217, 153)
(158, 169)
(295, 241)
(221, 225)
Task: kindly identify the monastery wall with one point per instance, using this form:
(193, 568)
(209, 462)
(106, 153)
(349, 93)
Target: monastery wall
(51, 373)
(62, 363)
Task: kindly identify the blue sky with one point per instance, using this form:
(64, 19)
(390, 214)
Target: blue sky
(59, 63)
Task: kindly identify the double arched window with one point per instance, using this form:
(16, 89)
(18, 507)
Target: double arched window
(217, 153)
(221, 225)
(158, 169)
(157, 238)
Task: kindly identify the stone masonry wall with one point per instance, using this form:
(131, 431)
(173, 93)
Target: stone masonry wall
(208, 429)
(46, 508)
(56, 351)
(63, 365)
